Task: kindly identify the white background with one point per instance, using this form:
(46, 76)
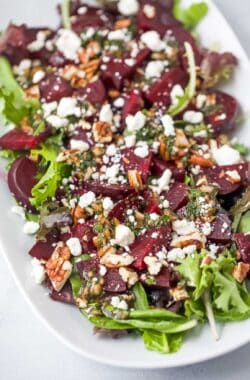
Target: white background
(29, 351)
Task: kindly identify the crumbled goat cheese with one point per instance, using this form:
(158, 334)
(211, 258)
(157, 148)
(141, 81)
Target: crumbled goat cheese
(68, 43)
(226, 155)
(23, 66)
(18, 210)
(106, 114)
(153, 264)
(48, 108)
(142, 151)
(107, 204)
(233, 175)
(130, 62)
(184, 227)
(124, 236)
(38, 271)
(119, 34)
(149, 11)
(200, 100)
(128, 276)
(112, 172)
(206, 229)
(74, 246)
(102, 270)
(30, 228)
(111, 150)
(154, 216)
(193, 117)
(130, 141)
(176, 255)
(176, 92)
(119, 102)
(153, 41)
(128, 7)
(38, 76)
(82, 146)
(68, 107)
(39, 43)
(56, 121)
(163, 182)
(154, 69)
(119, 304)
(87, 199)
(168, 124)
(135, 122)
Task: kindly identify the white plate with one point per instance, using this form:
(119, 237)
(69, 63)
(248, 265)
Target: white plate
(65, 321)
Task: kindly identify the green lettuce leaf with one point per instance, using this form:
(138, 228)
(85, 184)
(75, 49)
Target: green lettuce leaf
(190, 16)
(65, 9)
(241, 213)
(52, 175)
(141, 300)
(15, 104)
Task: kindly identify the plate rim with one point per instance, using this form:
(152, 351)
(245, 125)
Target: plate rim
(119, 363)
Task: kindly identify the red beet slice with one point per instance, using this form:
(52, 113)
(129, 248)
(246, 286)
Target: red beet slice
(84, 232)
(217, 175)
(21, 179)
(131, 161)
(64, 296)
(159, 92)
(86, 266)
(115, 73)
(120, 208)
(159, 166)
(224, 118)
(53, 88)
(150, 242)
(42, 250)
(94, 17)
(115, 191)
(181, 35)
(133, 104)
(151, 204)
(142, 56)
(13, 43)
(162, 20)
(17, 139)
(113, 283)
(221, 229)
(177, 196)
(243, 243)
(163, 279)
(94, 92)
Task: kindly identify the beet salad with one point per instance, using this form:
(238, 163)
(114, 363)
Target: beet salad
(123, 166)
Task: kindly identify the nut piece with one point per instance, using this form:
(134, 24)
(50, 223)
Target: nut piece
(179, 293)
(240, 271)
(102, 132)
(195, 238)
(112, 260)
(58, 267)
(135, 180)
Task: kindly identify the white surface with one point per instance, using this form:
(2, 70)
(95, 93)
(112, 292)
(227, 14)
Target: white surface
(27, 349)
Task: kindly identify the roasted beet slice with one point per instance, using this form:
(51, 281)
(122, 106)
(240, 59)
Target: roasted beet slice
(13, 43)
(151, 206)
(243, 243)
(131, 161)
(182, 35)
(119, 210)
(116, 191)
(218, 175)
(53, 88)
(160, 22)
(93, 17)
(221, 229)
(84, 232)
(42, 250)
(163, 279)
(17, 139)
(57, 59)
(225, 113)
(86, 266)
(142, 56)
(113, 283)
(133, 104)
(82, 135)
(150, 242)
(177, 196)
(115, 73)
(159, 92)
(94, 92)
(159, 166)
(22, 178)
(64, 296)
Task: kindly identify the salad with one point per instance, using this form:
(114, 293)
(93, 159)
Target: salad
(122, 164)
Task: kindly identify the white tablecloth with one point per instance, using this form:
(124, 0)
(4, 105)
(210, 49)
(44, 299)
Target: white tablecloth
(29, 351)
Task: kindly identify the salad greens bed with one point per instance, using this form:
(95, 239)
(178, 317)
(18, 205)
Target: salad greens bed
(120, 160)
